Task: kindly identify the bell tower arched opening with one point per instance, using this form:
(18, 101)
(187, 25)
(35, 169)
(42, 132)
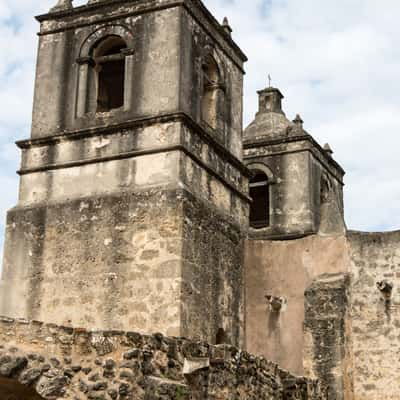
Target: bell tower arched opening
(110, 67)
(259, 193)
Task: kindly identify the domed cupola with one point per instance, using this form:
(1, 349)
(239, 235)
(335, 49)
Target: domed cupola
(270, 121)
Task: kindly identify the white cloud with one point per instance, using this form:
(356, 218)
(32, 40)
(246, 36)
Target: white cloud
(336, 62)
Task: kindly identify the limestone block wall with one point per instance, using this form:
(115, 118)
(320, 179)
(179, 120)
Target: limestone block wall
(155, 261)
(50, 362)
(102, 261)
(100, 237)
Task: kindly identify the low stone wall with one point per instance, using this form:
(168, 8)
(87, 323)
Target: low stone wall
(65, 363)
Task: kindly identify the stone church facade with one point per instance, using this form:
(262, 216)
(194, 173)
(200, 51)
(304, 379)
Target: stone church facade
(158, 251)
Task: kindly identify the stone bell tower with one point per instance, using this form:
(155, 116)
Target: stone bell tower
(133, 196)
(297, 186)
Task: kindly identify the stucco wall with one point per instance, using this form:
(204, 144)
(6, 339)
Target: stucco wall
(285, 268)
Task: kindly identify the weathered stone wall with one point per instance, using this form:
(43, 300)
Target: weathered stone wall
(375, 312)
(75, 364)
(166, 41)
(153, 261)
(351, 313)
(327, 329)
(299, 202)
(197, 43)
(212, 273)
(103, 262)
(111, 204)
(154, 37)
(284, 269)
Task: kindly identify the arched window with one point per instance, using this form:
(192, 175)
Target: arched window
(211, 92)
(259, 193)
(110, 67)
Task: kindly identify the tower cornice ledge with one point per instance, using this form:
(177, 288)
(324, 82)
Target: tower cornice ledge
(67, 19)
(66, 135)
(254, 143)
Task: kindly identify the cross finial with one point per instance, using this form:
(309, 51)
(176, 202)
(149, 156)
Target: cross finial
(269, 80)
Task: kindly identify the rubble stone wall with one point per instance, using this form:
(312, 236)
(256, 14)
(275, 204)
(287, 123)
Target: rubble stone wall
(54, 362)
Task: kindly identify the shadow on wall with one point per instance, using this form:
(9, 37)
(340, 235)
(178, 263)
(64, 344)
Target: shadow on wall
(11, 389)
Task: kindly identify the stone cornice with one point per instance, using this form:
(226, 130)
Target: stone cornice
(194, 7)
(110, 129)
(320, 153)
(138, 153)
(333, 172)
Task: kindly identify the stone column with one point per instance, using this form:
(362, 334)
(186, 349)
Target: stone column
(84, 63)
(129, 73)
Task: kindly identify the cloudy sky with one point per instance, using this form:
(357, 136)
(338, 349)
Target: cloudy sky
(337, 63)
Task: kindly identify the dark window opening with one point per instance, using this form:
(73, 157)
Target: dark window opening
(110, 66)
(221, 337)
(259, 208)
(211, 86)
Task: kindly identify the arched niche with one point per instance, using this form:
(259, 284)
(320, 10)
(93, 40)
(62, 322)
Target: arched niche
(213, 94)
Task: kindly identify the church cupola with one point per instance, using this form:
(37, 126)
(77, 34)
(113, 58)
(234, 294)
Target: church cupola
(270, 100)
(270, 120)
